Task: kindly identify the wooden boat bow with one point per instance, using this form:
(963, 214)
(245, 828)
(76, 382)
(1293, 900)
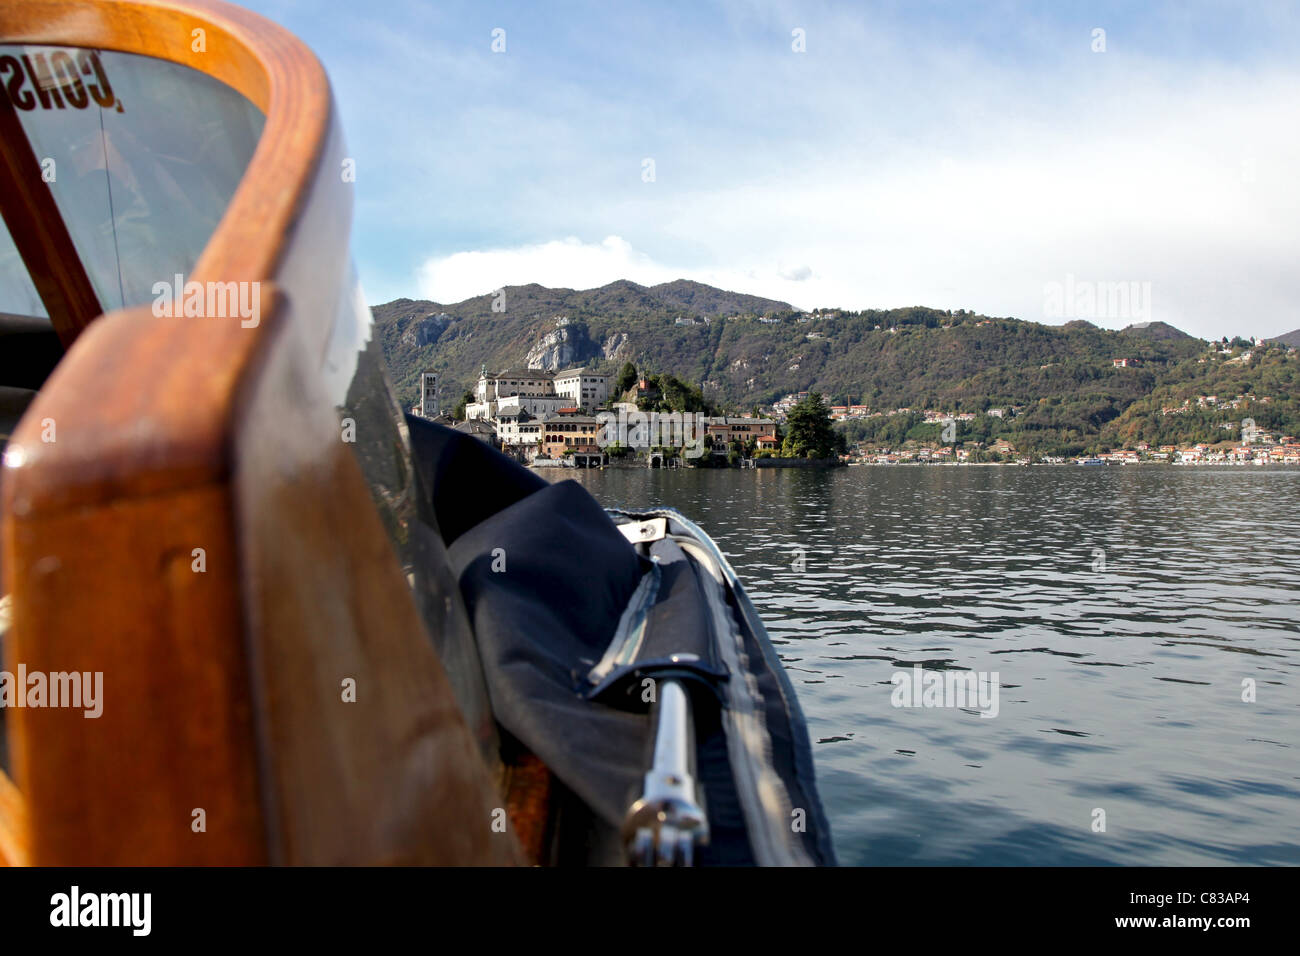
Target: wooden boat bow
(222, 686)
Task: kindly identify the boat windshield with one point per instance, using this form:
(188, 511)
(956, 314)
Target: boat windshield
(18, 294)
(140, 155)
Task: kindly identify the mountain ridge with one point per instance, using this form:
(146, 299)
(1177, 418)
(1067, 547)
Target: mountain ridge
(746, 351)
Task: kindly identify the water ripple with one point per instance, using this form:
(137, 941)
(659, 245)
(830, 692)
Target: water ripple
(1144, 624)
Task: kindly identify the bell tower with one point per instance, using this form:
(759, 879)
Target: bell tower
(429, 394)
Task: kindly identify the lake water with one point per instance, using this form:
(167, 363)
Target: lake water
(1124, 609)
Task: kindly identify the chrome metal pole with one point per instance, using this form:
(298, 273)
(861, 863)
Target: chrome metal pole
(663, 827)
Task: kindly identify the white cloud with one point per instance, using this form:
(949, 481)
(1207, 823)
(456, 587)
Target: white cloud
(1190, 193)
(562, 263)
(960, 159)
(881, 169)
(571, 263)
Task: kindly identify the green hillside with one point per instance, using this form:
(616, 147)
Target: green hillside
(747, 351)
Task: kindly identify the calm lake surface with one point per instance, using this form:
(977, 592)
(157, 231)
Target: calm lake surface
(1121, 607)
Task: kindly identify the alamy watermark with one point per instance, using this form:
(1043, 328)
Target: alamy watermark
(976, 690)
(1084, 299)
(643, 430)
(76, 908)
(215, 300)
(71, 689)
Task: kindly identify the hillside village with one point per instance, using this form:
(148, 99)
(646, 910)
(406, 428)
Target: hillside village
(1232, 428)
(905, 385)
(566, 419)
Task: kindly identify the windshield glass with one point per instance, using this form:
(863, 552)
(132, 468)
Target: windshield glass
(17, 291)
(141, 155)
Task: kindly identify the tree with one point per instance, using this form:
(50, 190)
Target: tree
(458, 413)
(809, 433)
(626, 378)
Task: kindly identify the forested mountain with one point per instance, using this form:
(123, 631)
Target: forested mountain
(706, 300)
(747, 351)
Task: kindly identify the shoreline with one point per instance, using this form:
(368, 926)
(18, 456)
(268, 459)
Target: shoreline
(1270, 466)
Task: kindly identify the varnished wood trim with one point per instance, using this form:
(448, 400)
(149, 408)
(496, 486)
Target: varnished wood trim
(106, 499)
(40, 234)
(233, 53)
(13, 824)
(192, 365)
(115, 590)
(153, 413)
(528, 792)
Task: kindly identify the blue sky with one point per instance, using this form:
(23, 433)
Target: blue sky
(954, 155)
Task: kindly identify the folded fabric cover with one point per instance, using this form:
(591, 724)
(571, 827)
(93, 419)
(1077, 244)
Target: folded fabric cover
(546, 577)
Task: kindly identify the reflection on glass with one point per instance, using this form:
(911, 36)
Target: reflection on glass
(356, 380)
(17, 293)
(142, 157)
